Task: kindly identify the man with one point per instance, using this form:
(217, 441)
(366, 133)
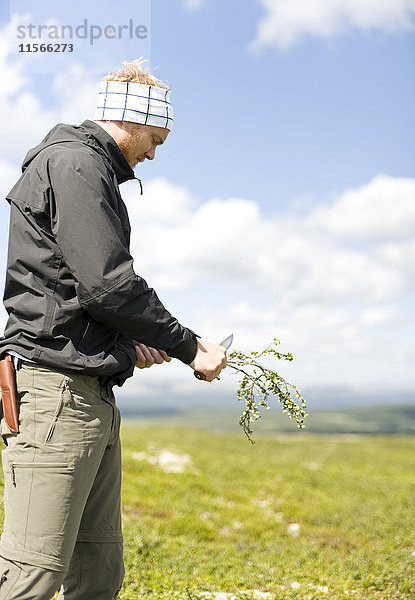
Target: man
(79, 320)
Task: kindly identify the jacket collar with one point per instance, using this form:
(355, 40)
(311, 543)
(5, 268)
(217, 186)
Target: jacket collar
(119, 163)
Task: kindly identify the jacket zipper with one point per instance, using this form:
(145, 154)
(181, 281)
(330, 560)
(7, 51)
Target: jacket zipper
(84, 333)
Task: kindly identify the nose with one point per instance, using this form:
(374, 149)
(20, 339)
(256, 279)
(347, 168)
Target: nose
(151, 154)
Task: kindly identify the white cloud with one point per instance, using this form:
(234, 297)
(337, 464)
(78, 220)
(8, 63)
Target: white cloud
(287, 22)
(28, 120)
(327, 292)
(193, 241)
(376, 316)
(76, 94)
(400, 256)
(383, 210)
(25, 118)
(193, 5)
(8, 175)
(181, 243)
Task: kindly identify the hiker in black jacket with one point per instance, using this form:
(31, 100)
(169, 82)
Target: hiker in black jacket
(80, 319)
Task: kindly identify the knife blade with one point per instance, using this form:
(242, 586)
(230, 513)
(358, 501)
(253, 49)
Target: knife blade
(226, 343)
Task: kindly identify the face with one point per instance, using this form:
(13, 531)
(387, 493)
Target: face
(138, 142)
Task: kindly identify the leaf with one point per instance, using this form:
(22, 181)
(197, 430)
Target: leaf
(258, 384)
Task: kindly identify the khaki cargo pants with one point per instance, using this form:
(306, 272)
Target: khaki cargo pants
(62, 472)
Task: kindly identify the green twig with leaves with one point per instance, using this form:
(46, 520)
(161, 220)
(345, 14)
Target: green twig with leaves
(259, 383)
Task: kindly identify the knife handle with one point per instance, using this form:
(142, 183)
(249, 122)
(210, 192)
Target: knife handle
(199, 375)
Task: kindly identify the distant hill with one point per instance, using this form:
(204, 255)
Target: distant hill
(318, 397)
(363, 420)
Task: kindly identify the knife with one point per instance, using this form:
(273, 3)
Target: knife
(226, 343)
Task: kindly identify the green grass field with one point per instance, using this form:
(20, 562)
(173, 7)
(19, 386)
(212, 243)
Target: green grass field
(296, 516)
(300, 516)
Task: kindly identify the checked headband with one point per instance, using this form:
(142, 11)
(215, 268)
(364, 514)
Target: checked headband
(134, 102)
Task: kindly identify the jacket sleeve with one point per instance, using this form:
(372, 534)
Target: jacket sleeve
(90, 235)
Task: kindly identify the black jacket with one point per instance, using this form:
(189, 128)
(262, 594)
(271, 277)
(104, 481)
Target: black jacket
(73, 298)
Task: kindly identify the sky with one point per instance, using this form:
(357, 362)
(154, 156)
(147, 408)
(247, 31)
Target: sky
(283, 202)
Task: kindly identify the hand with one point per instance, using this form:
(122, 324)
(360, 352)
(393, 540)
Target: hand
(147, 356)
(210, 359)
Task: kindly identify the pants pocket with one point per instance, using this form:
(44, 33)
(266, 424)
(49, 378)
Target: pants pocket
(52, 467)
(59, 422)
(38, 501)
(63, 389)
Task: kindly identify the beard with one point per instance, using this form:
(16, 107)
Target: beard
(133, 145)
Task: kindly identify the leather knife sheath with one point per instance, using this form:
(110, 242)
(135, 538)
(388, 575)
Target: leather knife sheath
(9, 393)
